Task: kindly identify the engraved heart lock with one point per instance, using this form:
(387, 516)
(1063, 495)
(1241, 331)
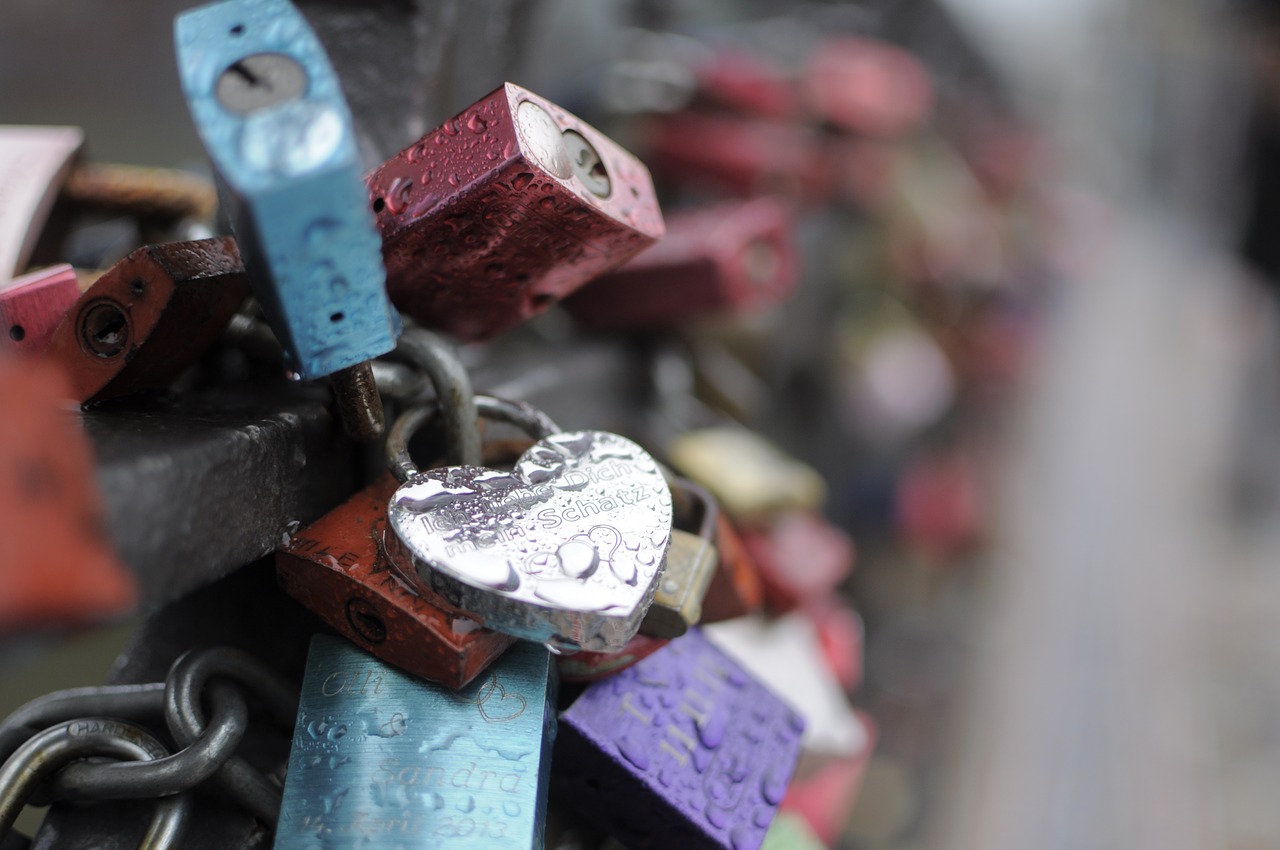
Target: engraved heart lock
(565, 549)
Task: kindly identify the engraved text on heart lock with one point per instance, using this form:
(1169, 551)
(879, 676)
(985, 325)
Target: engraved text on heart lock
(565, 549)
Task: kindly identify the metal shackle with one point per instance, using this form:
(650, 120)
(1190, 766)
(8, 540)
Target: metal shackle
(438, 358)
(521, 414)
(47, 752)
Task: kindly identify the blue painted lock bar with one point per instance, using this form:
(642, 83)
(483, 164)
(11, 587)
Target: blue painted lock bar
(271, 113)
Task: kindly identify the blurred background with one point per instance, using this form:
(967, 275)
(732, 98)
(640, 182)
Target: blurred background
(1033, 352)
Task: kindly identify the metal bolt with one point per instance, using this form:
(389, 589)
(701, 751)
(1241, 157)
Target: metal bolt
(260, 81)
(587, 164)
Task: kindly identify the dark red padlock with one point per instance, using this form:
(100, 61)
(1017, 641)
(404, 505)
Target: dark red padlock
(149, 317)
(337, 568)
(866, 86)
(802, 558)
(31, 307)
(747, 82)
(505, 209)
(736, 589)
(825, 789)
(841, 634)
(729, 258)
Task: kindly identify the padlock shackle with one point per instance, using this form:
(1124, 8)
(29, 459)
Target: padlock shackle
(438, 358)
(521, 414)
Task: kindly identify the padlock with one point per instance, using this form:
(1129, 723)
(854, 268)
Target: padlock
(31, 306)
(825, 788)
(868, 87)
(785, 655)
(685, 749)
(149, 317)
(735, 589)
(730, 258)
(745, 156)
(381, 758)
(505, 209)
(336, 568)
(34, 161)
(594, 666)
(938, 505)
(565, 549)
(750, 477)
(802, 558)
(747, 82)
(57, 566)
(270, 111)
(691, 563)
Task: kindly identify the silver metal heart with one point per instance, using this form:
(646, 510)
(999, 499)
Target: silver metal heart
(565, 549)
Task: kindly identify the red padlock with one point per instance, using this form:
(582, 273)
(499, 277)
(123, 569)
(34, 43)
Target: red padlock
(337, 568)
(747, 157)
(747, 82)
(593, 666)
(31, 306)
(149, 317)
(728, 258)
(735, 589)
(505, 209)
(802, 558)
(840, 632)
(57, 567)
(868, 87)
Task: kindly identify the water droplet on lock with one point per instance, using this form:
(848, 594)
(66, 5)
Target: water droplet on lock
(701, 759)
(489, 569)
(454, 181)
(579, 558)
(548, 203)
(476, 124)
(450, 127)
(773, 786)
(741, 838)
(468, 804)
(633, 751)
(624, 569)
(399, 194)
(510, 808)
(573, 595)
(717, 816)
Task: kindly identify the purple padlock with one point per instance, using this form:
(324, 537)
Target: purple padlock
(684, 749)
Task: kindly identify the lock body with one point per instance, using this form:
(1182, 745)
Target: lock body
(744, 156)
(735, 589)
(57, 565)
(825, 789)
(750, 477)
(270, 111)
(802, 557)
(505, 209)
(685, 749)
(150, 316)
(594, 666)
(336, 568)
(867, 87)
(691, 563)
(723, 259)
(380, 757)
(31, 306)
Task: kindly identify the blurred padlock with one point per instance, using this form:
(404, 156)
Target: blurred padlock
(505, 209)
(57, 565)
(802, 558)
(684, 749)
(31, 306)
(841, 634)
(593, 666)
(271, 113)
(746, 82)
(750, 477)
(748, 157)
(34, 162)
(380, 758)
(724, 259)
(690, 565)
(868, 87)
(336, 568)
(149, 317)
(735, 589)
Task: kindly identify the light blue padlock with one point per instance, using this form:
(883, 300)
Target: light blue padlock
(381, 759)
(271, 113)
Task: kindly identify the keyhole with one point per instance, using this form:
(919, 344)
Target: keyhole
(104, 329)
(17, 333)
(364, 620)
(260, 81)
(587, 164)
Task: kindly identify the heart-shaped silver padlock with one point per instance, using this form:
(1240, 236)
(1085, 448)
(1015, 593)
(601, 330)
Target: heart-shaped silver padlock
(565, 549)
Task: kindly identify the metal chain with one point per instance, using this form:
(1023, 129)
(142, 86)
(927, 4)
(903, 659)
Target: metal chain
(219, 677)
